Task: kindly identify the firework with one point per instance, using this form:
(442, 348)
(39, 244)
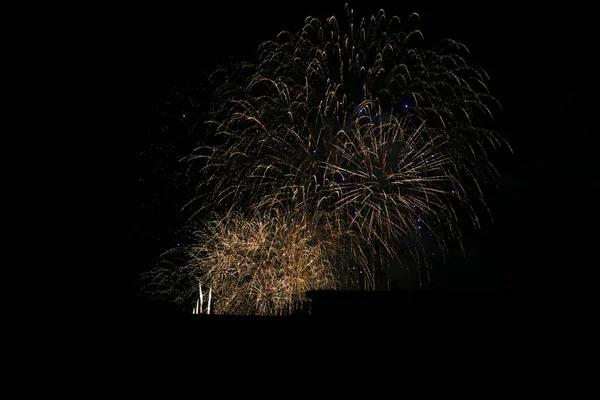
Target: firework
(254, 265)
(335, 150)
(362, 126)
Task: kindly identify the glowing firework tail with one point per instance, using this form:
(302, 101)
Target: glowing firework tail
(201, 298)
(209, 300)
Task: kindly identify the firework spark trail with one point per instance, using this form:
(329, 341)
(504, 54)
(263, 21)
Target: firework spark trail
(362, 129)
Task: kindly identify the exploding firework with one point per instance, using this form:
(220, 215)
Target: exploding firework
(361, 126)
(330, 156)
(253, 265)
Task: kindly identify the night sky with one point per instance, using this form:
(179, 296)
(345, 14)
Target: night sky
(539, 60)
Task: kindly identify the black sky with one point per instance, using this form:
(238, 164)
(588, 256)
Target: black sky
(539, 61)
